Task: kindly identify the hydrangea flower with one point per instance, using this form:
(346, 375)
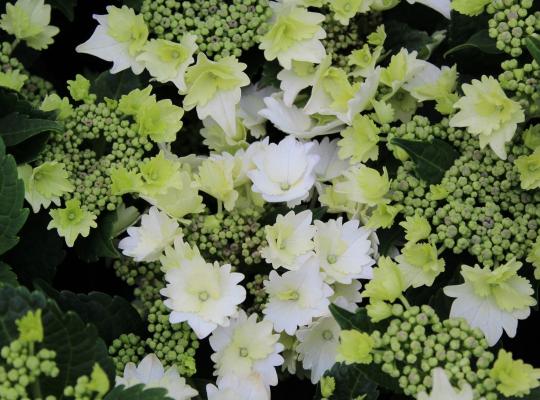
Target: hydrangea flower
(214, 88)
(246, 347)
(251, 103)
(443, 389)
(347, 295)
(514, 377)
(284, 171)
(13, 80)
(119, 38)
(29, 20)
(151, 373)
(168, 61)
(203, 294)
(417, 228)
(216, 177)
(486, 111)
(318, 345)
(355, 347)
(529, 170)
(72, 221)
(232, 387)
(344, 10)
(290, 240)
(145, 243)
(420, 264)
(492, 300)
(294, 34)
(330, 165)
(44, 184)
(296, 297)
(360, 141)
(343, 250)
(365, 185)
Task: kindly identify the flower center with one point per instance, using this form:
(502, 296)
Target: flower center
(37, 176)
(71, 216)
(289, 295)
(327, 335)
(203, 296)
(243, 352)
(332, 259)
(285, 186)
(154, 176)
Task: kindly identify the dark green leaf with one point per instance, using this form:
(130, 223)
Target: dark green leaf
(479, 41)
(432, 159)
(30, 149)
(16, 128)
(137, 392)
(12, 102)
(348, 320)
(389, 237)
(269, 75)
(7, 276)
(99, 242)
(533, 395)
(533, 45)
(351, 382)
(12, 215)
(114, 86)
(66, 7)
(112, 316)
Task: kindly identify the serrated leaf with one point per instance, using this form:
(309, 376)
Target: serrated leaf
(348, 320)
(7, 276)
(112, 315)
(15, 127)
(351, 383)
(12, 215)
(137, 392)
(533, 45)
(66, 7)
(99, 243)
(432, 159)
(114, 86)
(479, 41)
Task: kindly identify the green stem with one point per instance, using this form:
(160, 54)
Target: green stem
(404, 301)
(14, 44)
(441, 250)
(219, 206)
(36, 388)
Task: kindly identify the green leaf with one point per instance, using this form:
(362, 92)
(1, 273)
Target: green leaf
(12, 215)
(137, 392)
(13, 102)
(114, 86)
(16, 127)
(432, 159)
(125, 217)
(112, 316)
(7, 276)
(402, 35)
(99, 243)
(269, 75)
(533, 45)
(30, 149)
(351, 382)
(348, 320)
(66, 7)
(479, 41)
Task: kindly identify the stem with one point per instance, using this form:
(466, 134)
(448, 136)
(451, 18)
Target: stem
(14, 44)
(36, 388)
(441, 250)
(404, 301)
(219, 206)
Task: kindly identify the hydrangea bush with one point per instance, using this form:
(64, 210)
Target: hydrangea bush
(255, 199)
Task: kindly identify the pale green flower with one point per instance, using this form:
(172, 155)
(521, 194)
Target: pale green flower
(29, 20)
(30, 327)
(12, 80)
(365, 185)
(402, 67)
(378, 37)
(167, 61)
(534, 257)
(216, 177)
(529, 170)
(72, 221)
(378, 310)
(294, 34)
(344, 10)
(328, 386)
(355, 347)
(125, 181)
(486, 111)
(335, 201)
(131, 103)
(416, 228)
(158, 174)
(470, 7)
(360, 141)
(218, 140)
(214, 88)
(44, 184)
(383, 216)
(388, 282)
(364, 60)
(514, 377)
(531, 137)
(420, 264)
(61, 105)
(79, 89)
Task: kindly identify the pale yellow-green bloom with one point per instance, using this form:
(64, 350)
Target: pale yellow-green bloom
(79, 89)
(436, 84)
(470, 7)
(486, 111)
(401, 68)
(514, 377)
(125, 181)
(364, 60)
(344, 10)
(29, 20)
(98, 383)
(360, 141)
(531, 137)
(529, 170)
(158, 174)
(438, 192)
(44, 184)
(61, 105)
(534, 257)
(420, 264)
(328, 385)
(355, 347)
(416, 228)
(388, 282)
(335, 201)
(216, 177)
(131, 103)
(218, 140)
(72, 221)
(30, 327)
(378, 310)
(12, 80)
(378, 37)
(383, 216)
(365, 185)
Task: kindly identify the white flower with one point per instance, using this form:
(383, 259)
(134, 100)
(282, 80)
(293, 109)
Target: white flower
(296, 297)
(441, 6)
(239, 388)
(246, 347)
(294, 80)
(145, 243)
(251, 102)
(284, 171)
(347, 296)
(318, 346)
(330, 166)
(119, 38)
(202, 294)
(343, 250)
(290, 240)
(294, 120)
(443, 390)
(150, 372)
(492, 300)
